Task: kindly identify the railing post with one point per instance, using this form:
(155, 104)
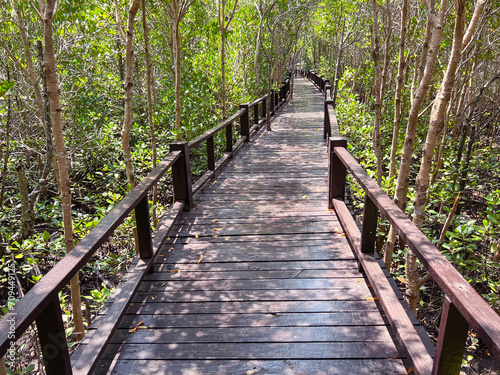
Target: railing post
(336, 171)
(272, 102)
(328, 88)
(52, 338)
(181, 174)
(229, 137)
(210, 154)
(327, 129)
(245, 129)
(322, 83)
(276, 99)
(256, 114)
(144, 229)
(264, 107)
(450, 348)
(369, 227)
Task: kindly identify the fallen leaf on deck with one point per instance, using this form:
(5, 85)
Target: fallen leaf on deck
(162, 284)
(217, 229)
(304, 196)
(201, 258)
(215, 220)
(372, 299)
(142, 327)
(410, 370)
(196, 235)
(135, 328)
(175, 271)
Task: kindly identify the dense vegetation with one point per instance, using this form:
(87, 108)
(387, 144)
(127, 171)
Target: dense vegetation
(123, 84)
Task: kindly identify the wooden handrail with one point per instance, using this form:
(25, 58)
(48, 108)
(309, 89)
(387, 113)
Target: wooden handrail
(41, 303)
(459, 293)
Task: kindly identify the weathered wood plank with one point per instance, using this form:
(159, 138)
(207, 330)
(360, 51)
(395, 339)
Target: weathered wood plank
(222, 367)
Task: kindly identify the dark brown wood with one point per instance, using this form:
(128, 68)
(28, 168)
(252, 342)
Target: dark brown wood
(244, 123)
(210, 154)
(212, 132)
(264, 106)
(53, 342)
(256, 113)
(453, 331)
(407, 337)
(327, 131)
(123, 295)
(143, 229)
(272, 102)
(229, 137)
(369, 228)
(181, 175)
(336, 171)
(41, 295)
(484, 320)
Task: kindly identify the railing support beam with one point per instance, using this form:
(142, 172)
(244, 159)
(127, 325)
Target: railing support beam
(53, 340)
(181, 174)
(336, 171)
(244, 121)
(450, 347)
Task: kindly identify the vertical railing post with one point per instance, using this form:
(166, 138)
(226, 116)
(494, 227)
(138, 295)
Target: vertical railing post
(322, 83)
(328, 89)
(256, 114)
(144, 229)
(245, 129)
(327, 129)
(272, 102)
(264, 106)
(52, 338)
(369, 227)
(276, 99)
(181, 175)
(450, 348)
(210, 154)
(336, 171)
(229, 137)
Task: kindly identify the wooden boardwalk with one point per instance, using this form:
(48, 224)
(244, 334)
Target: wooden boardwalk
(259, 277)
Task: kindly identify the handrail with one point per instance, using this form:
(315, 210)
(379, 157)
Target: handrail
(463, 306)
(41, 303)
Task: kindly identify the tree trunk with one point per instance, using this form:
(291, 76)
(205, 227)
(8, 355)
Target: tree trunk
(149, 84)
(128, 85)
(400, 195)
(48, 14)
(377, 145)
(435, 128)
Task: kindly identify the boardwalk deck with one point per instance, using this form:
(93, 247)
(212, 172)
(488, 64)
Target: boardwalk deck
(277, 291)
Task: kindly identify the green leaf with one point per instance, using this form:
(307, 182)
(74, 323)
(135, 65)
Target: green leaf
(46, 236)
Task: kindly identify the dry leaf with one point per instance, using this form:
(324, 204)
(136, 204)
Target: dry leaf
(201, 258)
(401, 279)
(215, 220)
(135, 328)
(196, 235)
(142, 327)
(304, 196)
(372, 299)
(175, 271)
(162, 284)
(410, 370)
(168, 238)
(217, 229)
(343, 235)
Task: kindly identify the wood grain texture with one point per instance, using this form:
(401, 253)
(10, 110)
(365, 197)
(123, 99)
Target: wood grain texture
(259, 276)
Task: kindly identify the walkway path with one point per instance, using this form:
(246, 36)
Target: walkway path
(259, 278)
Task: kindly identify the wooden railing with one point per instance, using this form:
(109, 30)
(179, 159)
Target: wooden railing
(463, 306)
(41, 304)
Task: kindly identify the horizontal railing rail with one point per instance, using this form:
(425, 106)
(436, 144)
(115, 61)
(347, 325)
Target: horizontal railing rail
(463, 306)
(41, 304)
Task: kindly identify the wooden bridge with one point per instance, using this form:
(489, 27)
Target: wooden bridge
(259, 268)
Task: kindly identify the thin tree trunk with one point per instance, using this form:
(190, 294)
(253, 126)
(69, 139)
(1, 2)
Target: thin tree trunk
(435, 128)
(149, 85)
(401, 190)
(6, 148)
(129, 83)
(48, 13)
(377, 145)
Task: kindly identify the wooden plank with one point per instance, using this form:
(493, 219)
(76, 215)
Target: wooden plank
(255, 295)
(408, 338)
(255, 351)
(171, 308)
(378, 334)
(221, 367)
(205, 265)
